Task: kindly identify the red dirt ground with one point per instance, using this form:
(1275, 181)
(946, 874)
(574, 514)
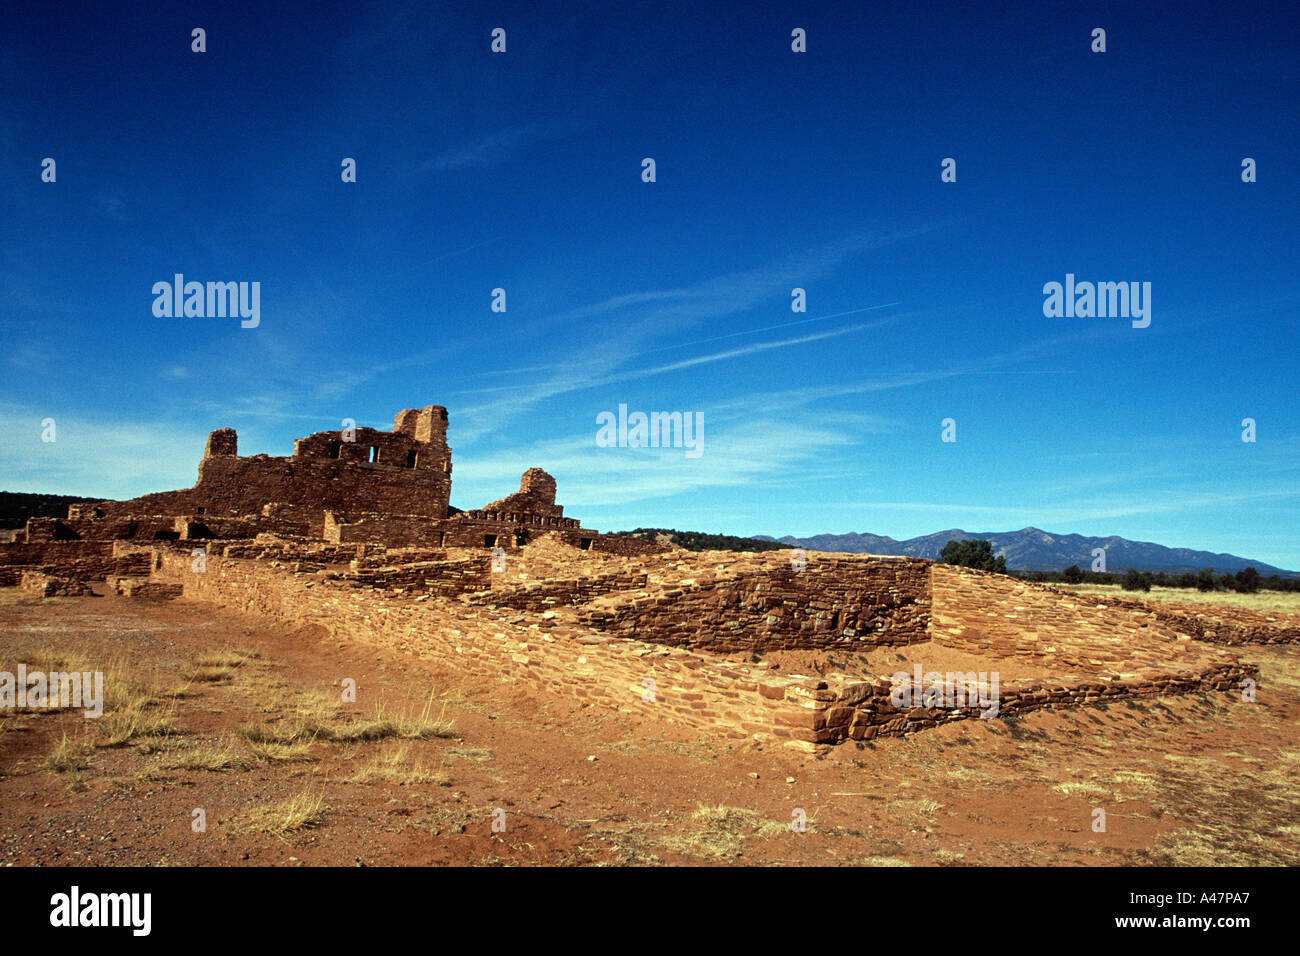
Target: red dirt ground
(1199, 779)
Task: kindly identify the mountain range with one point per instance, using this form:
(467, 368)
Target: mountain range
(1032, 549)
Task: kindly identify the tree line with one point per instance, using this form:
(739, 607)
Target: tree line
(974, 553)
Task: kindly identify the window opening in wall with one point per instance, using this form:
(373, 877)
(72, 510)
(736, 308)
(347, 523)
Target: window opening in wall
(374, 454)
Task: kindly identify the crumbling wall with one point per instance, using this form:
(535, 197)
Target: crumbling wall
(536, 495)
(405, 471)
(724, 698)
(718, 697)
(75, 560)
(445, 576)
(84, 525)
(43, 584)
(621, 544)
(767, 605)
(998, 615)
(393, 531)
(863, 710)
(549, 593)
(1217, 625)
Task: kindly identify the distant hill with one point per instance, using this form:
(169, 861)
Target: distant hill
(700, 541)
(16, 507)
(1032, 549)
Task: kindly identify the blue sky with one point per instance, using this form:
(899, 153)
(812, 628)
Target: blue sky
(775, 170)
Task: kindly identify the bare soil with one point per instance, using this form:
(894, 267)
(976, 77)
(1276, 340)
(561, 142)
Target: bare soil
(1205, 779)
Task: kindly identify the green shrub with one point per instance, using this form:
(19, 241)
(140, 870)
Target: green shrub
(973, 553)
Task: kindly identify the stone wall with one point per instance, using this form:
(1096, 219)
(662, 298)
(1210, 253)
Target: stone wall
(717, 697)
(620, 544)
(1209, 623)
(406, 471)
(720, 698)
(74, 560)
(445, 576)
(550, 593)
(393, 531)
(862, 710)
(834, 602)
(91, 524)
(998, 616)
(49, 585)
(536, 495)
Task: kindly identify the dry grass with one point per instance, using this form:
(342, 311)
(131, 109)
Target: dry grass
(132, 710)
(218, 666)
(720, 832)
(299, 812)
(271, 751)
(881, 861)
(68, 757)
(136, 707)
(208, 675)
(49, 659)
(219, 758)
(914, 809)
(399, 766)
(1082, 788)
(476, 754)
(317, 718)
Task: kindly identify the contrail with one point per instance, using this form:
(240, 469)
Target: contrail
(769, 328)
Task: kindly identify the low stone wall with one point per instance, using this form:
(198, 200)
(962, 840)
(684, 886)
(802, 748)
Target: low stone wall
(36, 553)
(268, 548)
(47, 585)
(622, 544)
(549, 593)
(713, 696)
(74, 560)
(82, 526)
(765, 604)
(862, 710)
(147, 588)
(1210, 624)
(724, 698)
(448, 577)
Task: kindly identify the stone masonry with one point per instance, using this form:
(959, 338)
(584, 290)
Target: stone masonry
(359, 538)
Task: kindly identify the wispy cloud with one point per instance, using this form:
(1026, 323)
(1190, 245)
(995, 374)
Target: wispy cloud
(631, 325)
(491, 150)
(94, 456)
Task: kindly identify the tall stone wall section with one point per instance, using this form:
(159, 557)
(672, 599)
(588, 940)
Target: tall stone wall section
(405, 471)
(844, 603)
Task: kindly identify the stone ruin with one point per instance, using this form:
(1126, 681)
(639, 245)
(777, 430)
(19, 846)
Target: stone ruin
(359, 537)
(358, 486)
